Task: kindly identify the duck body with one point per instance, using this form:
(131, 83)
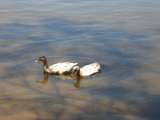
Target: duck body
(90, 69)
(60, 68)
(73, 69)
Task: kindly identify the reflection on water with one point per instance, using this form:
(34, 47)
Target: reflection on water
(63, 77)
(122, 35)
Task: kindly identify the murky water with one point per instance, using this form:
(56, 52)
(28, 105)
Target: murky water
(122, 35)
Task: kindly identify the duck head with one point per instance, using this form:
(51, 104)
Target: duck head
(42, 59)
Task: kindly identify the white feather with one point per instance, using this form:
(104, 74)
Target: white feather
(62, 67)
(90, 69)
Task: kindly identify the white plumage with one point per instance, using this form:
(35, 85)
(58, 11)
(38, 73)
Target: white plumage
(61, 67)
(90, 69)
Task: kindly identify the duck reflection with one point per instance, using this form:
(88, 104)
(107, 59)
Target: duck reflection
(77, 79)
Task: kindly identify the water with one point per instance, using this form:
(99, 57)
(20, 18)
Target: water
(122, 35)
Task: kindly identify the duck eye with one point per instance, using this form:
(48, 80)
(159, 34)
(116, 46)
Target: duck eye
(43, 58)
(40, 58)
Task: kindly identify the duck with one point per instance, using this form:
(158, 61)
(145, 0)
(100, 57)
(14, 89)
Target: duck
(71, 69)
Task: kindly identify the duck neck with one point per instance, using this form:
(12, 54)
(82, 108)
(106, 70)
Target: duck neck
(45, 64)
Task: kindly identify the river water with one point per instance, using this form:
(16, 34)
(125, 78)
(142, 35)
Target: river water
(122, 35)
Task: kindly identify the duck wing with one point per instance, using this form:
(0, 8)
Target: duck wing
(62, 67)
(90, 69)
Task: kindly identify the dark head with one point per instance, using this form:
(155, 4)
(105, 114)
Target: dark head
(42, 59)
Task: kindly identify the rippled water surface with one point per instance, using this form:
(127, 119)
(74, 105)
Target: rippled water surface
(123, 35)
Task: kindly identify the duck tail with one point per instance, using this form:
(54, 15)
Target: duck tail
(90, 69)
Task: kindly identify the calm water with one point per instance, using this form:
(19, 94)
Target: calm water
(123, 35)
